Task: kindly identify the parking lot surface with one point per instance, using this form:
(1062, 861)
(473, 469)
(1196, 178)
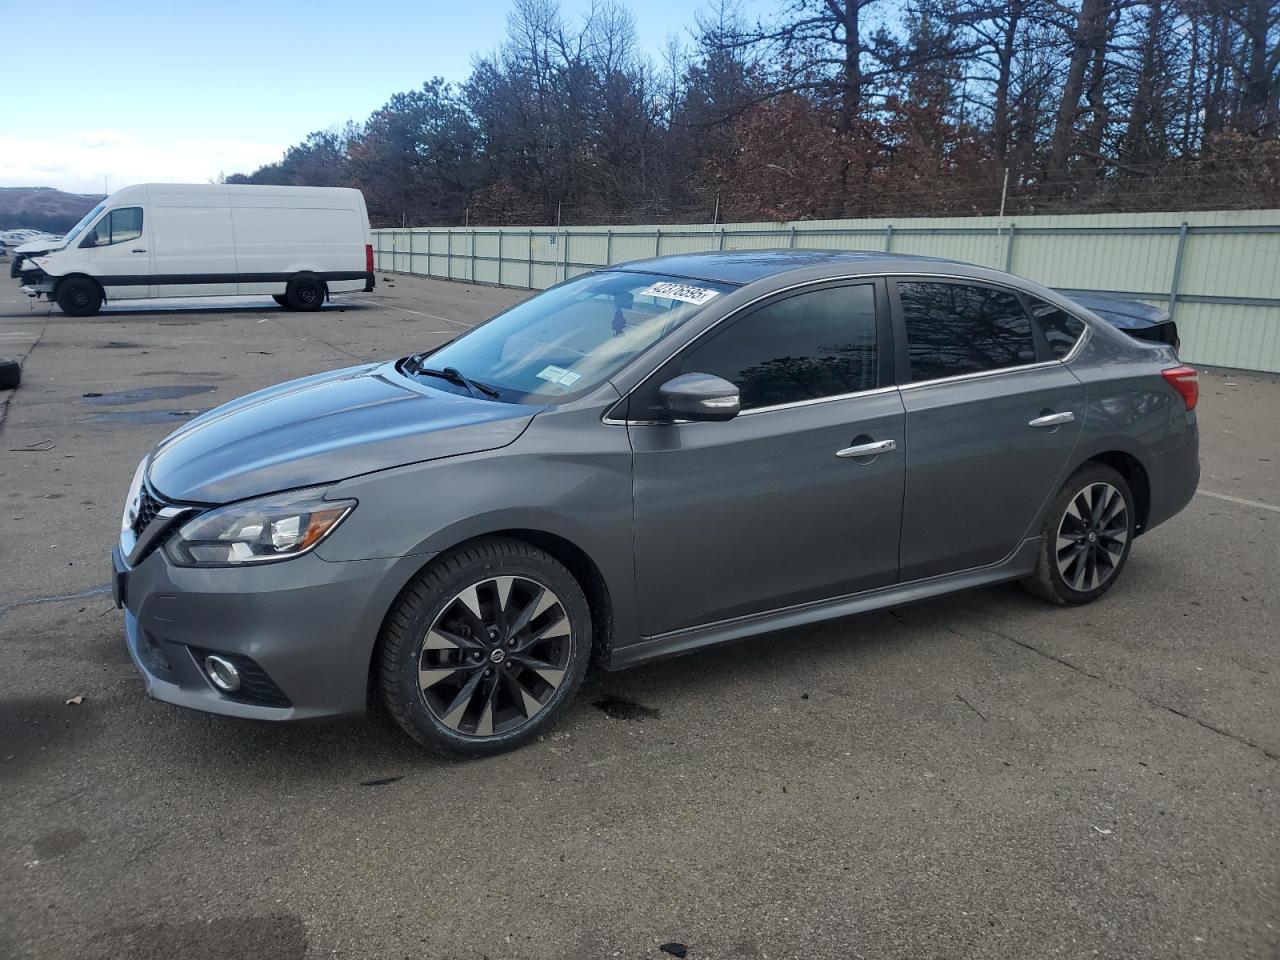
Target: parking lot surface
(981, 775)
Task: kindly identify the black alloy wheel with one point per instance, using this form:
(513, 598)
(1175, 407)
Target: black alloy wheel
(485, 648)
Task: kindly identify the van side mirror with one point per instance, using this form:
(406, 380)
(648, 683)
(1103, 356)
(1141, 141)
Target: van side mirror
(699, 396)
(90, 239)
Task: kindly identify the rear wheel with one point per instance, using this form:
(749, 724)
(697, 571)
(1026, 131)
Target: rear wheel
(485, 648)
(281, 299)
(1086, 538)
(305, 292)
(79, 297)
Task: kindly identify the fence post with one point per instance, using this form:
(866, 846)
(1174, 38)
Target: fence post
(564, 259)
(1177, 268)
(608, 248)
(473, 256)
(792, 241)
(657, 242)
(888, 238)
(1008, 249)
(722, 238)
(530, 280)
(448, 259)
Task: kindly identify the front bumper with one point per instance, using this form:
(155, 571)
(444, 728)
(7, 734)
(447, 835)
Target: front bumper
(309, 625)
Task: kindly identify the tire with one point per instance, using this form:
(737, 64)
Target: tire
(468, 685)
(79, 297)
(305, 292)
(281, 299)
(10, 374)
(1086, 538)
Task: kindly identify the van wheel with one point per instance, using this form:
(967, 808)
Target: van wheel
(305, 292)
(79, 297)
(281, 299)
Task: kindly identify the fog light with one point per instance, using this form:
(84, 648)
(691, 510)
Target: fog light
(222, 673)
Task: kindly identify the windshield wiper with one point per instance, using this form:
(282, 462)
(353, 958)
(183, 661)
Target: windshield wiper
(453, 375)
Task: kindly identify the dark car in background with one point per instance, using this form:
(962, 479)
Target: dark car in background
(637, 463)
(1142, 321)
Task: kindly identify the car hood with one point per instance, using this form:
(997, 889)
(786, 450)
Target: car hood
(34, 247)
(322, 429)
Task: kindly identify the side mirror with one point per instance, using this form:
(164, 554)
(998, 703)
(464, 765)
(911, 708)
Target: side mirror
(90, 239)
(699, 396)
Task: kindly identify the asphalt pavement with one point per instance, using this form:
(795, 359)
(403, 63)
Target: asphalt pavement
(981, 775)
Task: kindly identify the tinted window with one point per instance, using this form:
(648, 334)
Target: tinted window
(1061, 330)
(808, 346)
(954, 329)
(116, 227)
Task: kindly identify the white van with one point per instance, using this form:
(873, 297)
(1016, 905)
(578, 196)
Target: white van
(296, 244)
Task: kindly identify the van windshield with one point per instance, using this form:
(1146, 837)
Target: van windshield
(568, 340)
(87, 219)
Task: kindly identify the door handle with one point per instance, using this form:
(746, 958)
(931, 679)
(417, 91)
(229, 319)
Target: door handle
(138, 250)
(868, 449)
(1052, 419)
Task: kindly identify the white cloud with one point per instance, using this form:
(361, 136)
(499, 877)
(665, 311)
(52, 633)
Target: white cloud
(79, 162)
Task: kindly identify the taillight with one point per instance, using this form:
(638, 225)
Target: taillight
(1186, 381)
(368, 257)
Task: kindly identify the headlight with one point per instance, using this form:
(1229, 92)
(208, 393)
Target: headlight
(131, 501)
(273, 528)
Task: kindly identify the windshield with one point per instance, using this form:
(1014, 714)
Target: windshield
(85, 221)
(572, 337)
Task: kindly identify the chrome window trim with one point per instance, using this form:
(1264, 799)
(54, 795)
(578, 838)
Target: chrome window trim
(881, 274)
(874, 391)
(981, 374)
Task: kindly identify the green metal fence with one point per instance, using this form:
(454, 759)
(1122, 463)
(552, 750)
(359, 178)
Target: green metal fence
(1217, 272)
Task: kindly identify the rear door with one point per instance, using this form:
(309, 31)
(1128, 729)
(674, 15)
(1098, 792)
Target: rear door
(991, 421)
(773, 508)
(118, 248)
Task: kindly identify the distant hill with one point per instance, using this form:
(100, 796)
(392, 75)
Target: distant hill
(43, 208)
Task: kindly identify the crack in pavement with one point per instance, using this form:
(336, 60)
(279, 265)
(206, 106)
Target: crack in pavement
(102, 589)
(1269, 754)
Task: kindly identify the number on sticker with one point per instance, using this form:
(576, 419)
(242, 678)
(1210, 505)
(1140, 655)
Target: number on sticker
(679, 291)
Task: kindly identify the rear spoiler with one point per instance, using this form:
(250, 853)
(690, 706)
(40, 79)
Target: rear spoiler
(1139, 320)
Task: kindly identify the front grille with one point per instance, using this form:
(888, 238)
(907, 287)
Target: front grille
(148, 507)
(255, 686)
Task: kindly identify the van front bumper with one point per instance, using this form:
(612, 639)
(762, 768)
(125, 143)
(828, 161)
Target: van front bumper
(301, 632)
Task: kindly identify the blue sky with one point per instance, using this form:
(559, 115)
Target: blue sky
(143, 90)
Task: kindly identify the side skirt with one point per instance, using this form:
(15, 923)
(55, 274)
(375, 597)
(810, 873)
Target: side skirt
(1018, 564)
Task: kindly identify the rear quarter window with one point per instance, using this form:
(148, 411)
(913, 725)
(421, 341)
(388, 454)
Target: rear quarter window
(1060, 329)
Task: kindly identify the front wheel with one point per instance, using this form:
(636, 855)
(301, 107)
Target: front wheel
(1086, 538)
(79, 297)
(485, 648)
(281, 300)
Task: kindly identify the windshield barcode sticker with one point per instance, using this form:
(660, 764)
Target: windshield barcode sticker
(679, 291)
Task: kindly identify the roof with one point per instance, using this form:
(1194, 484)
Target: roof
(746, 266)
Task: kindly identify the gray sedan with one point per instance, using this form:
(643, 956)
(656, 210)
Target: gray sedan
(637, 463)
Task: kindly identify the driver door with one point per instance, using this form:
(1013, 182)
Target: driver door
(770, 509)
(118, 249)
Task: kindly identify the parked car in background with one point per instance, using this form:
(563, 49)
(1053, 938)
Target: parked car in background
(637, 463)
(14, 238)
(296, 244)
